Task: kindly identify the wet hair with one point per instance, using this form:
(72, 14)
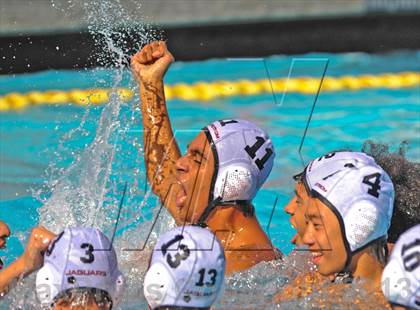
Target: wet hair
(405, 176)
(83, 297)
(379, 250)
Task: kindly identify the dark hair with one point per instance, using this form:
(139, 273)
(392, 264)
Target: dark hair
(379, 250)
(405, 176)
(80, 296)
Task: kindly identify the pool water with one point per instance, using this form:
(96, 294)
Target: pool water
(52, 149)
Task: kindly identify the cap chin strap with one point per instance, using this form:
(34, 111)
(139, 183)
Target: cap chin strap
(350, 254)
(344, 277)
(213, 203)
(218, 202)
(207, 211)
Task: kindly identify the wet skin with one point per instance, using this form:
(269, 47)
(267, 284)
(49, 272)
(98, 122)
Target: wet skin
(194, 172)
(323, 237)
(237, 233)
(325, 240)
(31, 259)
(183, 182)
(296, 209)
(4, 234)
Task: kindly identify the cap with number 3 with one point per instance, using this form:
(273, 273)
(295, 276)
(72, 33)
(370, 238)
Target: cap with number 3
(79, 258)
(357, 190)
(186, 269)
(401, 276)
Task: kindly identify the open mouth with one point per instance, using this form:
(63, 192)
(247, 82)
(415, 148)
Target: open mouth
(316, 257)
(181, 197)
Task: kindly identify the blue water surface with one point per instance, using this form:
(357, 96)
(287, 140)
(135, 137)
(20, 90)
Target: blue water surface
(32, 139)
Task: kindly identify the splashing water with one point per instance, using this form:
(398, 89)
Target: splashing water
(86, 192)
(82, 195)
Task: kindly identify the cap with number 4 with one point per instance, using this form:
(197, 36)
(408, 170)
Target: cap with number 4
(79, 258)
(186, 269)
(357, 190)
(401, 276)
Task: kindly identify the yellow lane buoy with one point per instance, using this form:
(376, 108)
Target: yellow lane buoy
(205, 91)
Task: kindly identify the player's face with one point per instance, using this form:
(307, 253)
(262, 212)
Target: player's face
(194, 174)
(4, 234)
(296, 209)
(324, 238)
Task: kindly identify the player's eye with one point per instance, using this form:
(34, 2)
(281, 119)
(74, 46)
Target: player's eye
(317, 226)
(197, 157)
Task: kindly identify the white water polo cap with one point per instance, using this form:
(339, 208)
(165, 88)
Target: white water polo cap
(358, 191)
(187, 269)
(244, 156)
(322, 165)
(79, 258)
(401, 276)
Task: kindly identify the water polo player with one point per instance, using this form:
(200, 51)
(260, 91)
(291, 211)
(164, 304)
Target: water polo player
(319, 166)
(347, 202)
(186, 271)
(80, 271)
(29, 261)
(214, 183)
(4, 234)
(403, 173)
(406, 178)
(348, 215)
(401, 276)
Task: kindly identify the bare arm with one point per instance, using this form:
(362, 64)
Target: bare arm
(161, 149)
(10, 274)
(31, 259)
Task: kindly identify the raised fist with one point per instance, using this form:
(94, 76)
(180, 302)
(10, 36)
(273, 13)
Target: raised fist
(38, 243)
(151, 63)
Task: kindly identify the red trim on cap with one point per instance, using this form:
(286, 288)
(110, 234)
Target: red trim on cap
(321, 187)
(216, 131)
